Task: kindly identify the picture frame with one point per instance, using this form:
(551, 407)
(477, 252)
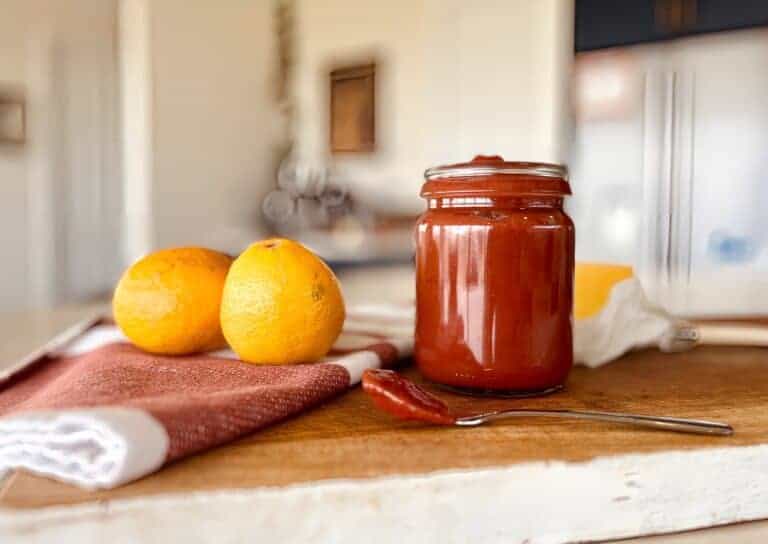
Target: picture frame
(13, 122)
(353, 109)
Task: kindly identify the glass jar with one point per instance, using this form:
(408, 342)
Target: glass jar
(494, 278)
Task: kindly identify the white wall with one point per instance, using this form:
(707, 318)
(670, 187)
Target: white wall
(212, 120)
(197, 143)
(135, 69)
(455, 79)
(500, 71)
(56, 190)
(13, 164)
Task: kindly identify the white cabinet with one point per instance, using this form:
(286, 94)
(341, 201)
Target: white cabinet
(670, 168)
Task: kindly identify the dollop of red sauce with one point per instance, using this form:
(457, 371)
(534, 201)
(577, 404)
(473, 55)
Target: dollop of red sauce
(403, 399)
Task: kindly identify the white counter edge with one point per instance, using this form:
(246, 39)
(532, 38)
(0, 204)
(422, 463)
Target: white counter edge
(552, 502)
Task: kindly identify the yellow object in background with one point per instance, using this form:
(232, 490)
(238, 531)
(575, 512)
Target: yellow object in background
(281, 304)
(169, 301)
(593, 284)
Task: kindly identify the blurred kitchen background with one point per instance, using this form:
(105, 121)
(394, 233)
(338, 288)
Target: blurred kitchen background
(130, 125)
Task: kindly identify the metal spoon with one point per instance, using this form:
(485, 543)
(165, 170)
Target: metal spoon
(663, 423)
(402, 398)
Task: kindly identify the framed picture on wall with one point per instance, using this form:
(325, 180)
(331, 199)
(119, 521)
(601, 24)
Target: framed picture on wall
(12, 118)
(353, 112)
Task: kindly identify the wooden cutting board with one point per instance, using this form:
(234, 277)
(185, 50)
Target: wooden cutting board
(347, 438)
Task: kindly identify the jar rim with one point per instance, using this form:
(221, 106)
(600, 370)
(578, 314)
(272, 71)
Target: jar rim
(480, 168)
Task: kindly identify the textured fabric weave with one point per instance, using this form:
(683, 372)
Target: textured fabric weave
(201, 401)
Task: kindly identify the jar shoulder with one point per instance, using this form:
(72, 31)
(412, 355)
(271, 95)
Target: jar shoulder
(492, 216)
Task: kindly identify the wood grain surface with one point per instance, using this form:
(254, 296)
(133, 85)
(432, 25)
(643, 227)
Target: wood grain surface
(347, 438)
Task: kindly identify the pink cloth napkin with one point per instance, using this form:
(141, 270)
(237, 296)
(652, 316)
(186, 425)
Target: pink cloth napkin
(100, 412)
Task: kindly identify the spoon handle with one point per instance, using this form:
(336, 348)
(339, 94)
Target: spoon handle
(657, 422)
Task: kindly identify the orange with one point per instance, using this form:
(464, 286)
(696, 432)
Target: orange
(593, 285)
(168, 302)
(281, 304)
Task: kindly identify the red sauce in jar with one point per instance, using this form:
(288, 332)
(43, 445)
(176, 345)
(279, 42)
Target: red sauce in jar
(494, 277)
